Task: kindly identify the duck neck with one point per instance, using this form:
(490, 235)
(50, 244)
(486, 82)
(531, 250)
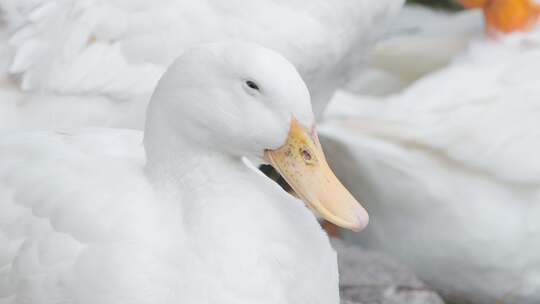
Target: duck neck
(176, 160)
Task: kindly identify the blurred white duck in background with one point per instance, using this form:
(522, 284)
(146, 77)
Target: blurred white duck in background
(86, 217)
(437, 37)
(418, 32)
(96, 63)
(449, 170)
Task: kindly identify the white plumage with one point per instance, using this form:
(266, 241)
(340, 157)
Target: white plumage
(106, 56)
(449, 170)
(435, 37)
(89, 217)
(419, 41)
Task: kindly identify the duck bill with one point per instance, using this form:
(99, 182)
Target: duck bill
(302, 164)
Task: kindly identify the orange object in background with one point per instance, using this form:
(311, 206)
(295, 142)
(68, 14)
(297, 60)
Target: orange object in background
(506, 16)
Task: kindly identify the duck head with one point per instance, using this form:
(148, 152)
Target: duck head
(506, 16)
(243, 100)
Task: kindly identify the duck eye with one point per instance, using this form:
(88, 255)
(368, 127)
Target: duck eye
(252, 85)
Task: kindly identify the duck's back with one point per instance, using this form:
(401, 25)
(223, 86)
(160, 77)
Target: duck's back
(112, 53)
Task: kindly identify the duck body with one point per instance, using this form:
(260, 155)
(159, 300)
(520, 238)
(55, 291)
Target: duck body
(456, 148)
(110, 236)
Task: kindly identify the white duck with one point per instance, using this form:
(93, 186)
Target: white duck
(106, 57)
(86, 217)
(450, 173)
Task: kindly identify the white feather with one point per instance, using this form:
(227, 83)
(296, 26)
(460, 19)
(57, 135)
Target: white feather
(119, 49)
(449, 172)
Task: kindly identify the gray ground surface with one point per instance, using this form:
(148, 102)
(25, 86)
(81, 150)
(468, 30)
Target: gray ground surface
(368, 277)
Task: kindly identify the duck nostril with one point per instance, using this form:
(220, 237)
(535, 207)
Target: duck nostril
(306, 155)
